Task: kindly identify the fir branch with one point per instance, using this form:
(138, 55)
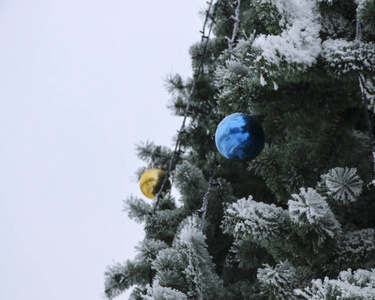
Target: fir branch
(359, 284)
(158, 292)
(248, 218)
(236, 19)
(311, 213)
(199, 70)
(343, 185)
(279, 282)
(205, 283)
(370, 7)
(137, 209)
(366, 14)
(120, 277)
(210, 185)
(356, 249)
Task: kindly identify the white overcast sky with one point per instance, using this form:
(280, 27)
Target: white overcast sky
(81, 82)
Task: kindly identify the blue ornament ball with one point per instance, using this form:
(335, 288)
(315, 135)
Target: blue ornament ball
(239, 137)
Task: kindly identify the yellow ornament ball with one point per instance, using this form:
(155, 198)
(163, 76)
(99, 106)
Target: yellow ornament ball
(151, 182)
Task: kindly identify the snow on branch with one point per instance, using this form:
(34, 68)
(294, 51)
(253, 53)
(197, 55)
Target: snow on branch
(279, 281)
(359, 284)
(137, 209)
(121, 277)
(169, 265)
(310, 211)
(205, 283)
(158, 292)
(236, 19)
(343, 185)
(343, 56)
(299, 43)
(148, 249)
(356, 248)
(258, 220)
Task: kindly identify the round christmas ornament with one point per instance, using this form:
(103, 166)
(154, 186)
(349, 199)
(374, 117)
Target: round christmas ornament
(151, 182)
(239, 137)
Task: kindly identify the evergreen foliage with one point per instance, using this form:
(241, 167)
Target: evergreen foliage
(298, 221)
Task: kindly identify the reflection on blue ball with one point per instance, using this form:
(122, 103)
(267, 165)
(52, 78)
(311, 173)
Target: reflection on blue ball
(239, 137)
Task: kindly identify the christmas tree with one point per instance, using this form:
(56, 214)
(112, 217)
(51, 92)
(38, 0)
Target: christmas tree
(298, 220)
